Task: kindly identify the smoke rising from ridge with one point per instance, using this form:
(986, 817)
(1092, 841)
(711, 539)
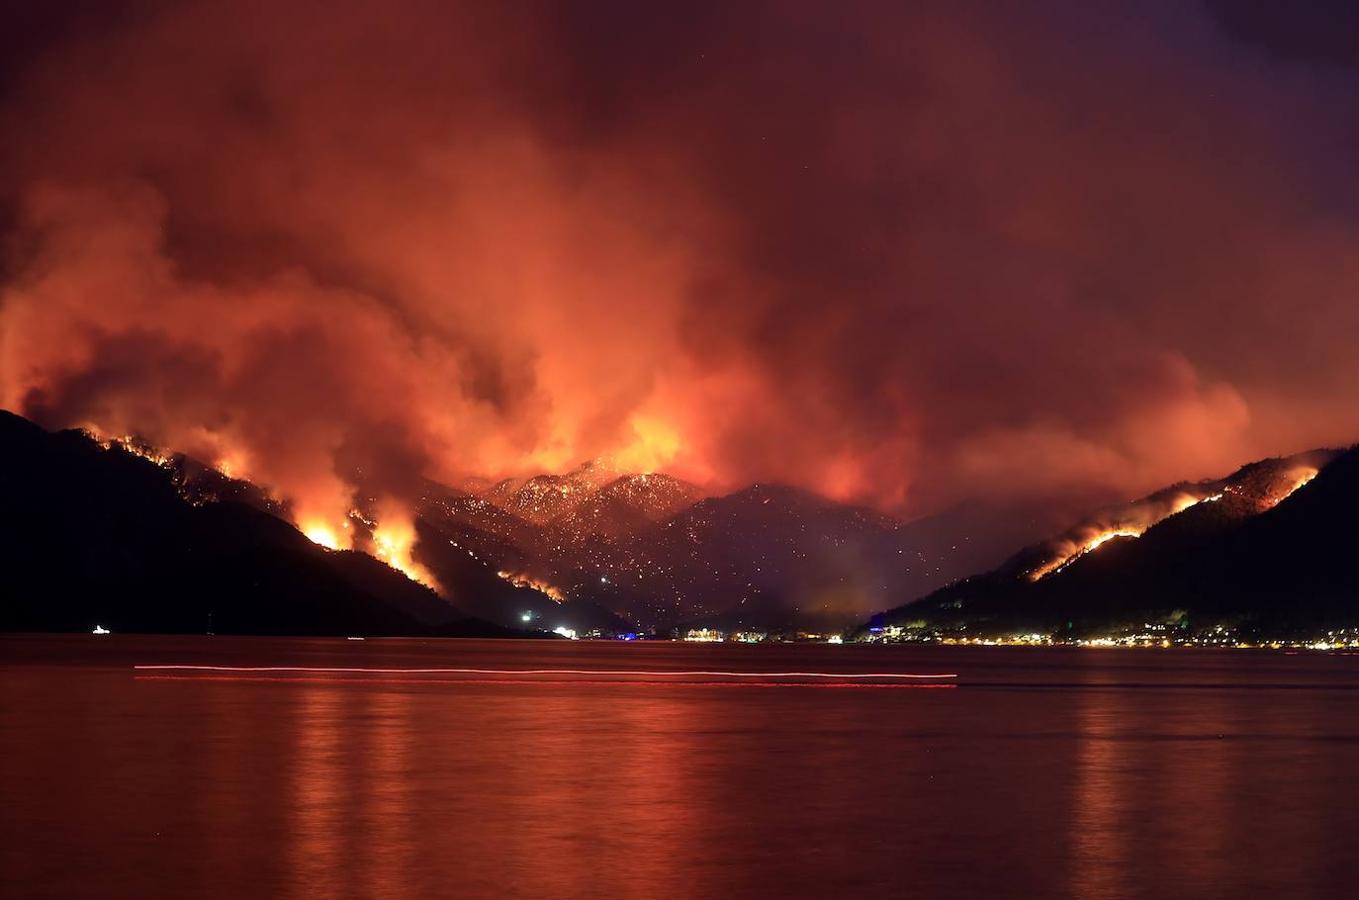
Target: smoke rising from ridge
(895, 256)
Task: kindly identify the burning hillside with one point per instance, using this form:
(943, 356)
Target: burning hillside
(521, 580)
(119, 532)
(1285, 484)
(337, 256)
(1261, 486)
(542, 498)
(386, 532)
(1268, 546)
(1129, 522)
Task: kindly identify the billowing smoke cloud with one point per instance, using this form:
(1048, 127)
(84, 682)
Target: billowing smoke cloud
(901, 256)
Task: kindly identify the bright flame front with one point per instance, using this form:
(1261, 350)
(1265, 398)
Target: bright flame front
(528, 581)
(1094, 543)
(1296, 479)
(394, 543)
(1132, 526)
(323, 535)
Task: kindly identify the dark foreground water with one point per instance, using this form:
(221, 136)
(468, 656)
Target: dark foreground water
(1046, 773)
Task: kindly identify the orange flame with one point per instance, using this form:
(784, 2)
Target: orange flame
(394, 543)
(1094, 543)
(528, 581)
(1298, 478)
(318, 532)
(1129, 525)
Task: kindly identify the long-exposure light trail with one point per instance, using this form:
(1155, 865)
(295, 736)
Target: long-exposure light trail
(639, 673)
(558, 682)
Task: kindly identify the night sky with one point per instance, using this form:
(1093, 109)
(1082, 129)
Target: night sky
(901, 254)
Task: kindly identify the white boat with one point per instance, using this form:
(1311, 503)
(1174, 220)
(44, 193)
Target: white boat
(100, 629)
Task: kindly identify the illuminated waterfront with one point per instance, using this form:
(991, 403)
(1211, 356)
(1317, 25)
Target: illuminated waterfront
(1158, 636)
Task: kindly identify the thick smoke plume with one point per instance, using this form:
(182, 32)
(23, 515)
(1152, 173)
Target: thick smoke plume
(902, 256)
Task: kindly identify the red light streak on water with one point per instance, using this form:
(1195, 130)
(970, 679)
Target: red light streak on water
(644, 673)
(558, 682)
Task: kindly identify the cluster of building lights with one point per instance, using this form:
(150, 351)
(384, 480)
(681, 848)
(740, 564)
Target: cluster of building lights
(1158, 635)
(713, 635)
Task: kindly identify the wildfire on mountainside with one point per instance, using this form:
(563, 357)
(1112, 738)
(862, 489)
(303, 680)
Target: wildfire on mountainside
(1093, 544)
(1130, 524)
(386, 531)
(521, 580)
(392, 530)
(130, 444)
(1295, 479)
(394, 543)
(323, 535)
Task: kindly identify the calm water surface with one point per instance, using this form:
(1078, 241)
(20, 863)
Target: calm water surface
(1052, 773)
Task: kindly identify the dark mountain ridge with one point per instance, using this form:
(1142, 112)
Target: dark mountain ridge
(653, 550)
(1265, 551)
(620, 552)
(95, 534)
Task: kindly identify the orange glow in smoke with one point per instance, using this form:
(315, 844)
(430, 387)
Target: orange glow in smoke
(233, 465)
(655, 444)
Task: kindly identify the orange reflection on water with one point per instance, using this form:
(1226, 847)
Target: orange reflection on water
(318, 789)
(1099, 824)
(388, 844)
(1198, 762)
